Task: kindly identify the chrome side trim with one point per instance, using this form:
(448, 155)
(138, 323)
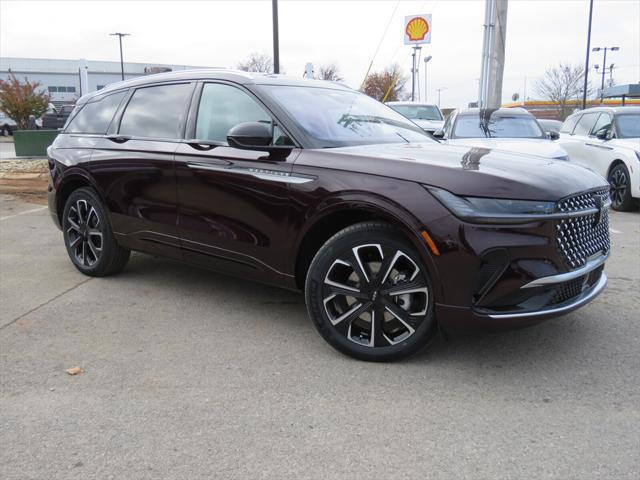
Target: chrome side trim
(582, 299)
(563, 277)
(263, 174)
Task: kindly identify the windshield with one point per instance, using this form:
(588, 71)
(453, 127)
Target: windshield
(418, 112)
(475, 126)
(342, 118)
(628, 125)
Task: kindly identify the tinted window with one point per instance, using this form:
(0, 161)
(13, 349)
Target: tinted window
(628, 125)
(497, 126)
(96, 116)
(157, 112)
(603, 124)
(336, 118)
(585, 124)
(223, 107)
(569, 124)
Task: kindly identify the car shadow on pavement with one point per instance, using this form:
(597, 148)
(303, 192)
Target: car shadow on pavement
(546, 345)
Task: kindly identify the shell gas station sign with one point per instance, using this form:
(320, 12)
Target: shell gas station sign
(417, 29)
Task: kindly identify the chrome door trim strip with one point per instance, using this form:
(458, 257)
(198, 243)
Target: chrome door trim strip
(563, 277)
(261, 173)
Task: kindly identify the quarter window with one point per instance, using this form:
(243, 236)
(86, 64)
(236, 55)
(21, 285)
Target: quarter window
(222, 107)
(157, 112)
(585, 124)
(96, 116)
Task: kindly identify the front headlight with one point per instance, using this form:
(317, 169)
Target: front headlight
(493, 210)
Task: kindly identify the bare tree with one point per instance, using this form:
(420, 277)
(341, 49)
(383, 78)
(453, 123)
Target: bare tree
(330, 72)
(257, 62)
(386, 85)
(562, 84)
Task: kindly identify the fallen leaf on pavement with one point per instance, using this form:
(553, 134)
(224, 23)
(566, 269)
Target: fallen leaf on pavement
(75, 370)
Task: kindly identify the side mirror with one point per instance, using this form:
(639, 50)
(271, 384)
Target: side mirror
(602, 134)
(554, 135)
(439, 134)
(249, 136)
(256, 136)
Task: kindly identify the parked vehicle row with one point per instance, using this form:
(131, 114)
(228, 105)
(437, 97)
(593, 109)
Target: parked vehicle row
(310, 185)
(428, 117)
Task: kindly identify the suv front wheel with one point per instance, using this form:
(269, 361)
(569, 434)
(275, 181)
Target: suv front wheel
(369, 295)
(620, 187)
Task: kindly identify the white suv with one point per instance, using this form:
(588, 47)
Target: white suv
(607, 140)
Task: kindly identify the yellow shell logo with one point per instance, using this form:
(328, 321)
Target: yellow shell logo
(417, 28)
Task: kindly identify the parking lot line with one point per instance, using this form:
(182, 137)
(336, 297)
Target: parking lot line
(33, 210)
(612, 230)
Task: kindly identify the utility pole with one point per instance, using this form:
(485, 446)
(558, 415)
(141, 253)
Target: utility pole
(416, 49)
(426, 61)
(493, 47)
(120, 35)
(586, 62)
(276, 44)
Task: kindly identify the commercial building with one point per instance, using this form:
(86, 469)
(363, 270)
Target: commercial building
(67, 80)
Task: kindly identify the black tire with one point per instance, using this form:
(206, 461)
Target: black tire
(385, 313)
(620, 188)
(88, 236)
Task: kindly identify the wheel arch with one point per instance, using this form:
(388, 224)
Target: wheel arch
(615, 163)
(331, 220)
(73, 180)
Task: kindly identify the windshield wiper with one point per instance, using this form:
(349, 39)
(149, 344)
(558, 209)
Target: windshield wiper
(402, 137)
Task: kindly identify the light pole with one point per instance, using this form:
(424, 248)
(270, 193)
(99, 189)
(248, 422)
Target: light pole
(276, 41)
(604, 65)
(439, 90)
(120, 35)
(586, 62)
(426, 60)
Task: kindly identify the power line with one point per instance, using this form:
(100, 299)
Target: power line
(380, 42)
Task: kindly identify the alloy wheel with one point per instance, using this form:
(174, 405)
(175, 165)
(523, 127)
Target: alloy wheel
(618, 187)
(84, 233)
(375, 295)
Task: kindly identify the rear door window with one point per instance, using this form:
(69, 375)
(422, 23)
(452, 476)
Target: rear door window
(95, 116)
(585, 124)
(157, 112)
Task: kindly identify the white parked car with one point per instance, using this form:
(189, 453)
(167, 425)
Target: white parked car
(511, 129)
(428, 117)
(607, 140)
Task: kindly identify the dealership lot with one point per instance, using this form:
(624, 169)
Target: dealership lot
(191, 374)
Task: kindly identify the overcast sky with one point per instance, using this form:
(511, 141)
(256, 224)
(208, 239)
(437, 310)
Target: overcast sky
(540, 33)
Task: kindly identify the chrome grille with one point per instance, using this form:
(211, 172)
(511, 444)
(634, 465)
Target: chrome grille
(581, 237)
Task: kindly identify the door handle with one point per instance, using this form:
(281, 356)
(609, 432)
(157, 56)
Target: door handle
(119, 138)
(598, 146)
(204, 145)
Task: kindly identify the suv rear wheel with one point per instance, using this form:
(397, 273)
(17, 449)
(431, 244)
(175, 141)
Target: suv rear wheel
(369, 295)
(88, 237)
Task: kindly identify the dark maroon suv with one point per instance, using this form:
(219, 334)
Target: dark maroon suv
(312, 186)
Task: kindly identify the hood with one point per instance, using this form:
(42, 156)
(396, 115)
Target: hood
(429, 125)
(468, 171)
(530, 146)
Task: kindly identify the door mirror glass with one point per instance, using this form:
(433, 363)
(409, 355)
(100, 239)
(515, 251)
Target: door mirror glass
(553, 135)
(439, 134)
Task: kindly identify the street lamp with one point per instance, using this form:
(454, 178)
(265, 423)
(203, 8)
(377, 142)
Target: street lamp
(426, 60)
(120, 35)
(604, 65)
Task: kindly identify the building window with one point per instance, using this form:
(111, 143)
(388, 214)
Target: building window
(53, 89)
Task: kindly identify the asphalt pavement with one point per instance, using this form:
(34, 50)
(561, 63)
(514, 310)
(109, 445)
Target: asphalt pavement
(189, 374)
